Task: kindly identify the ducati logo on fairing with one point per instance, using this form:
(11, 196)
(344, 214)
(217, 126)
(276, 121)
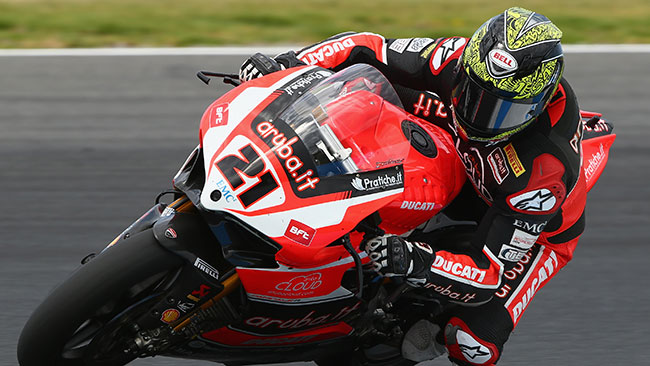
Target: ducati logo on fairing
(417, 206)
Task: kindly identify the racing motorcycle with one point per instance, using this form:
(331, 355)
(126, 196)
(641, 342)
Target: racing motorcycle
(258, 258)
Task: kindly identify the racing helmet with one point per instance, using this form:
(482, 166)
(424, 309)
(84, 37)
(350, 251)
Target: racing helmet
(506, 75)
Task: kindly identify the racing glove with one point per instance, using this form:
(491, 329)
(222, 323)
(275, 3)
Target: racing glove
(393, 256)
(258, 65)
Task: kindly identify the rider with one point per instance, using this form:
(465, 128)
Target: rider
(517, 129)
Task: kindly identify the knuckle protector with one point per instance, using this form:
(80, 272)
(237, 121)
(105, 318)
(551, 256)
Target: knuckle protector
(264, 64)
(398, 256)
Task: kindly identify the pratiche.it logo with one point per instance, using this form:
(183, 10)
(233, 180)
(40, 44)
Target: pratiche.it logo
(381, 182)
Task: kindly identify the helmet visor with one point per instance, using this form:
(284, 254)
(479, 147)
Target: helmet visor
(486, 114)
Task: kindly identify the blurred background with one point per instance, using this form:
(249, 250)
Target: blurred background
(108, 23)
(86, 142)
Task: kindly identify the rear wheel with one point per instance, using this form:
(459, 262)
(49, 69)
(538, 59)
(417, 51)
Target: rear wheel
(63, 326)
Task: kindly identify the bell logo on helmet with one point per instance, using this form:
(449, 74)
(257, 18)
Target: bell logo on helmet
(503, 60)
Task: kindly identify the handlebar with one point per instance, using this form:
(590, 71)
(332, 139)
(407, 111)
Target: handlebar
(205, 76)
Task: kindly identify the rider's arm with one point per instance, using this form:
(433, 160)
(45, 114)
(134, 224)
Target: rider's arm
(473, 274)
(505, 233)
(411, 62)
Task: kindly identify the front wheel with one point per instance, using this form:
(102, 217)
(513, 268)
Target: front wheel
(64, 324)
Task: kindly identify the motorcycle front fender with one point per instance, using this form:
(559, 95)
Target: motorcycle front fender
(146, 221)
(182, 230)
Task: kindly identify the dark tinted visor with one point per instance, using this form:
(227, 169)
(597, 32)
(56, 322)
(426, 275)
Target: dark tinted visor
(488, 114)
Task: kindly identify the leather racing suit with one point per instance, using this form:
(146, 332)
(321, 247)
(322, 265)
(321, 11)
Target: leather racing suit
(532, 194)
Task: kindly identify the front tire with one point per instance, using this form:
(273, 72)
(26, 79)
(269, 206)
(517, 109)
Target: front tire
(62, 326)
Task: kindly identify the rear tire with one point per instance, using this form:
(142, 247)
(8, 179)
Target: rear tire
(59, 330)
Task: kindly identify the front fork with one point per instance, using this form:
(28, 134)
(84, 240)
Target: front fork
(195, 300)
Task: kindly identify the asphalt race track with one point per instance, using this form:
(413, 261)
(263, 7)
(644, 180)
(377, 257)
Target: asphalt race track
(86, 143)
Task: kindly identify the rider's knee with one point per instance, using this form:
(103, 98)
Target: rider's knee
(467, 348)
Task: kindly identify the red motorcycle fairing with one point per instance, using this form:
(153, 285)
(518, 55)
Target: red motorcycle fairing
(234, 338)
(302, 157)
(290, 286)
(263, 168)
(597, 140)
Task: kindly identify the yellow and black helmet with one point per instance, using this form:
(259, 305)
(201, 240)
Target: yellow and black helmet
(506, 75)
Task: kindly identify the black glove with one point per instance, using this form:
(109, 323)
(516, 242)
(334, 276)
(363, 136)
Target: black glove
(258, 65)
(288, 60)
(393, 256)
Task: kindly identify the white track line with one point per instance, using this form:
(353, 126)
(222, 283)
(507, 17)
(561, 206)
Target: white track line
(136, 51)
(249, 50)
(607, 48)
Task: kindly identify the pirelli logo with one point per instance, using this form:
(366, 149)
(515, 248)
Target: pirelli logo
(513, 160)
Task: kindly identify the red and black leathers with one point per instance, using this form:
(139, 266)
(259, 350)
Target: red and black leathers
(531, 185)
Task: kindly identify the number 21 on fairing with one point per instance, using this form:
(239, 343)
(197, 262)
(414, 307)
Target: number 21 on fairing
(233, 167)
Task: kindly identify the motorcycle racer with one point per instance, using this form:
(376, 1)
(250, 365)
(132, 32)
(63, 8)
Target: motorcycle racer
(517, 130)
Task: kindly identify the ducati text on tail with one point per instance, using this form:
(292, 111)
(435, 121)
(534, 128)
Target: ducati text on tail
(258, 259)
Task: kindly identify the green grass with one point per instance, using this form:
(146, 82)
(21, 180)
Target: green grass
(102, 23)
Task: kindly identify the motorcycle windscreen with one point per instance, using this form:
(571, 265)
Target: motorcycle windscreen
(348, 123)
